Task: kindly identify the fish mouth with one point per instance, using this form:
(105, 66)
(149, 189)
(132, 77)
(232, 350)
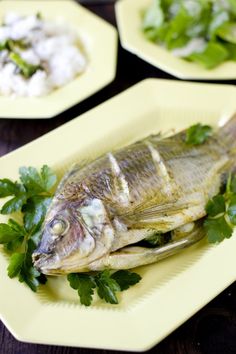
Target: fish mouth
(44, 262)
(51, 264)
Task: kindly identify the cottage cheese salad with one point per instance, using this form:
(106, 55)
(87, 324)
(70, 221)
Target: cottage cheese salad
(37, 55)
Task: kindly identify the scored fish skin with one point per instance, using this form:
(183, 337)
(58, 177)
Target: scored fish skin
(125, 196)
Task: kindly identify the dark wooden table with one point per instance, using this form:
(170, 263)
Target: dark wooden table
(213, 329)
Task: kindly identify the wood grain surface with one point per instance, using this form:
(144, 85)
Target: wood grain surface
(213, 329)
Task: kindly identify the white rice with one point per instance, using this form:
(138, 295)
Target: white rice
(52, 46)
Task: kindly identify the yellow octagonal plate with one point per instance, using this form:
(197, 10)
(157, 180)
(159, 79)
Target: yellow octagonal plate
(100, 43)
(172, 290)
(128, 13)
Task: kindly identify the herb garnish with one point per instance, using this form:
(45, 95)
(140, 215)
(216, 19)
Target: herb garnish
(31, 196)
(26, 69)
(197, 134)
(106, 283)
(221, 211)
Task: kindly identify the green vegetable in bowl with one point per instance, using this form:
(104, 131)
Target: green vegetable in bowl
(201, 31)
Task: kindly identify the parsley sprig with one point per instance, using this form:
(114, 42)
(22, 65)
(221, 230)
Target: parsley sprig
(106, 283)
(30, 199)
(197, 134)
(221, 211)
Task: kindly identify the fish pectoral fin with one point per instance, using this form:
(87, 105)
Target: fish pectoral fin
(135, 256)
(152, 210)
(166, 217)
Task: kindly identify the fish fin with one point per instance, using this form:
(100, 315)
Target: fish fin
(166, 217)
(131, 257)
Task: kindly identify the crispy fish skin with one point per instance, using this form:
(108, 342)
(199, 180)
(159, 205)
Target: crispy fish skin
(127, 195)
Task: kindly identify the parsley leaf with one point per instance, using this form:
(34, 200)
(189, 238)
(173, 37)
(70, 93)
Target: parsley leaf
(13, 205)
(33, 184)
(35, 211)
(32, 197)
(107, 287)
(221, 211)
(48, 178)
(36, 182)
(8, 188)
(216, 205)
(84, 284)
(17, 190)
(7, 233)
(31, 179)
(17, 227)
(197, 134)
(106, 283)
(125, 279)
(15, 265)
(14, 244)
(14, 235)
(28, 274)
(217, 229)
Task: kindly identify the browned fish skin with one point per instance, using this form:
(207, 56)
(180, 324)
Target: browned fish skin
(122, 197)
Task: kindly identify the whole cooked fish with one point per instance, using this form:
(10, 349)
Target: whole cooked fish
(155, 186)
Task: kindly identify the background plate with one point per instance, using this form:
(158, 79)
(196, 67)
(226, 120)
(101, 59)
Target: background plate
(172, 290)
(96, 34)
(128, 14)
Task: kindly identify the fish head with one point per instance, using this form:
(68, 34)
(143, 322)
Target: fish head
(73, 236)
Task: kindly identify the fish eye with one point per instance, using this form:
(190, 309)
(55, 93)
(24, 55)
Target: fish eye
(58, 227)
